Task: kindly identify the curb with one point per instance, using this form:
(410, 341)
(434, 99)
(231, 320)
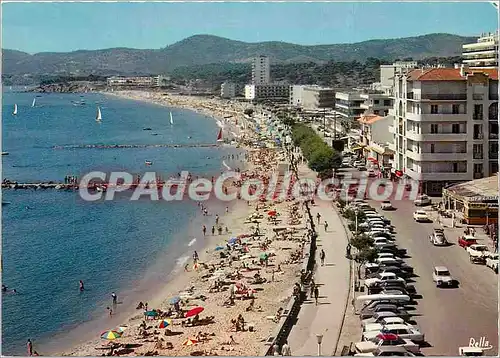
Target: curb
(346, 304)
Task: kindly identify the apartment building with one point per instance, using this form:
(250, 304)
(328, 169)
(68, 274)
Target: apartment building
(376, 103)
(349, 105)
(228, 90)
(274, 91)
(375, 138)
(312, 96)
(136, 81)
(445, 127)
(483, 53)
(388, 72)
(261, 70)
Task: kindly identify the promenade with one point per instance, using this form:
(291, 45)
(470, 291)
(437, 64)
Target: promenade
(333, 282)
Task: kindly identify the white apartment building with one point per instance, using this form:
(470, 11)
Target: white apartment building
(376, 103)
(445, 127)
(261, 70)
(137, 81)
(312, 96)
(228, 90)
(387, 73)
(348, 106)
(483, 53)
(375, 138)
(274, 91)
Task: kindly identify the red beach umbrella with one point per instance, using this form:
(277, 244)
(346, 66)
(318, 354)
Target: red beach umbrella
(194, 311)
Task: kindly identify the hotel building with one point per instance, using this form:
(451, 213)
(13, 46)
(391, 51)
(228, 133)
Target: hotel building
(483, 53)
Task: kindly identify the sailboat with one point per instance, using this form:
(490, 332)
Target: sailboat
(171, 119)
(98, 117)
(219, 136)
(15, 110)
(34, 101)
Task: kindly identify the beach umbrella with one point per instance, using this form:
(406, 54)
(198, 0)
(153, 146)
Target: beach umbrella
(189, 342)
(165, 323)
(232, 240)
(272, 213)
(175, 300)
(194, 311)
(151, 313)
(110, 335)
(264, 256)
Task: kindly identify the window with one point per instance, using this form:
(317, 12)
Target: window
(455, 167)
(375, 101)
(434, 128)
(455, 109)
(376, 112)
(478, 168)
(432, 148)
(477, 151)
(455, 128)
(478, 131)
(387, 102)
(434, 108)
(478, 112)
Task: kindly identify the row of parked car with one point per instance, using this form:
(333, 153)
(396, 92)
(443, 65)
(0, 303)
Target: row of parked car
(387, 328)
(478, 253)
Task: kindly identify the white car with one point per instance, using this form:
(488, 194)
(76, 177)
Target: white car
(442, 277)
(379, 317)
(386, 205)
(420, 216)
(492, 262)
(378, 327)
(401, 330)
(422, 200)
(383, 340)
(382, 277)
(477, 250)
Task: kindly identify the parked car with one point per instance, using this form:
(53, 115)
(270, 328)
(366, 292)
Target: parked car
(420, 216)
(466, 241)
(402, 330)
(387, 351)
(370, 310)
(383, 340)
(477, 253)
(379, 317)
(382, 277)
(393, 269)
(422, 200)
(386, 205)
(492, 261)
(442, 277)
(388, 322)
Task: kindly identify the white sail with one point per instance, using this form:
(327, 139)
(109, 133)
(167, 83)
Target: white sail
(15, 110)
(34, 102)
(98, 117)
(171, 118)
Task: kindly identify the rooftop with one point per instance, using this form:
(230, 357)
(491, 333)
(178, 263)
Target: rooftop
(447, 74)
(369, 118)
(485, 187)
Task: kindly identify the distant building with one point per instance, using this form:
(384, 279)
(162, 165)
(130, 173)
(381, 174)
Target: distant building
(376, 103)
(387, 73)
(268, 91)
(483, 53)
(228, 90)
(136, 81)
(261, 70)
(445, 125)
(375, 138)
(312, 96)
(348, 105)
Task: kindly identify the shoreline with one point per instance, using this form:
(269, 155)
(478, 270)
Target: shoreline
(268, 297)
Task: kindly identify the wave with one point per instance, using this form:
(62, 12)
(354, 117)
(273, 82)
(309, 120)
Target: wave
(191, 243)
(225, 165)
(181, 261)
(219, 123)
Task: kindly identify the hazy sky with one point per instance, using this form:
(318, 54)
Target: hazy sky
(42, 27)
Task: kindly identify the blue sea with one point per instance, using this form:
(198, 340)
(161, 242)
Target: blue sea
(52, 239)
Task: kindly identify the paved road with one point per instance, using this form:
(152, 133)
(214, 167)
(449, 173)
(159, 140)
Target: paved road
(333, 281)
(448, 317)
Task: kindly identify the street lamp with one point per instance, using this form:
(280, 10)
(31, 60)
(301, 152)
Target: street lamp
(356, 217)
(319, 338)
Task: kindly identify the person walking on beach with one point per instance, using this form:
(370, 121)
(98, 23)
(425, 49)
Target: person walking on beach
(227, 208)
(313, 286)
(322, 257)
(216, 219)
(81, 286)
(110, 311)
(29, 346)
(318, 215)
(316, 294)
(195, 257)
(204, 229)
(115, 299)
(220, 230)
(326, 226)
(213, 230)
(285, 350)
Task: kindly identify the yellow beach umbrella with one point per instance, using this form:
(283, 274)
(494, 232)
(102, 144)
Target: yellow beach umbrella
(189, 342)
(110, 335)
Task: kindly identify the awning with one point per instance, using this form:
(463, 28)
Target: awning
(357, 148)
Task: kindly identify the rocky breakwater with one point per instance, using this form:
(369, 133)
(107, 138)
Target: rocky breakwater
(69, 87)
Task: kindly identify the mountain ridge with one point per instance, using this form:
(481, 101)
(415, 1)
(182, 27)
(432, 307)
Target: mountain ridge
(205, 49)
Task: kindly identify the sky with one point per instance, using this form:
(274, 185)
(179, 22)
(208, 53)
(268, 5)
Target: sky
(61, 27)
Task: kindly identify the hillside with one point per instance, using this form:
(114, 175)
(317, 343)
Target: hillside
(207, 49)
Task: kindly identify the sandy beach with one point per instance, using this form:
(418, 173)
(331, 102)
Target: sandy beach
(241, 279)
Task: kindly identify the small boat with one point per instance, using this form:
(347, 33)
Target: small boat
(5, 203)
(15, 110)
(98, 117)
(5, 153)
(219, 136)
(34, 102)
(171, 119)
(154, 133)
(146, 129)
(148, 162)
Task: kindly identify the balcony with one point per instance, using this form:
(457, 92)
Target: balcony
(420, 157)
(477, 97)
(427, 117)
(436, 137)
(438, 176)
(441, 97)
(477, 155)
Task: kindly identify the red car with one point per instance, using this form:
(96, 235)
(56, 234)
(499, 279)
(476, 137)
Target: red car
(466, 241)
